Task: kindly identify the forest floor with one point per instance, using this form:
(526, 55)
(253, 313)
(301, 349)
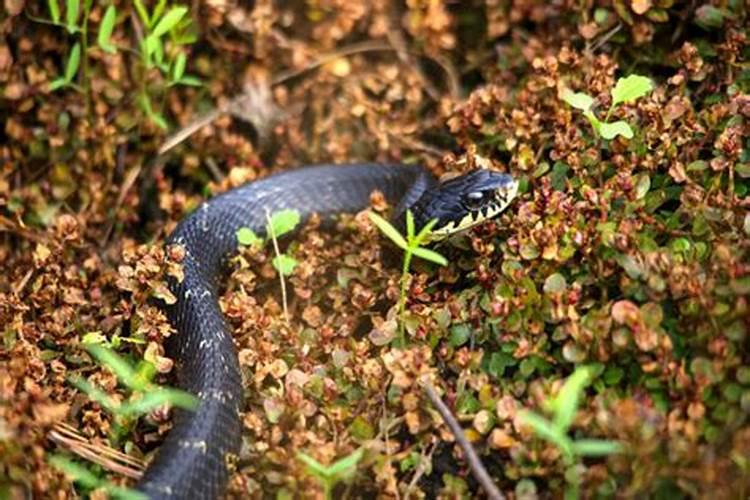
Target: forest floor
(626, 254)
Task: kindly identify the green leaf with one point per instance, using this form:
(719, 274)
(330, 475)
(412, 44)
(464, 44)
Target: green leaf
(73, 61)
(388, 229)
(77, 472)
(432, 256)
(460, 334)
(709, 17)
(409, 225)
(158, 11)
(57, 83)
(565, 405)
(105, 30)
(151, 44)
(95, 394)
(247, 237)
(546, 430)
(313, 466)
(54, 10)
(596, 447)
(169, 21)
(284, 264)
(283, 222)
(594, 121)
(642, 186)
(155, 398)
(423, 234)
(124, 372)
(345, 468)
(72, 8)
(612, 130)
(96, 337)
(578, 100)
(159, 120)
(159, 54)
(631, 88)
(89, 480)
(142, 13)
(190, 81)
(179, 66)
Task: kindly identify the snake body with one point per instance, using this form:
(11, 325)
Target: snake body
(192, 463)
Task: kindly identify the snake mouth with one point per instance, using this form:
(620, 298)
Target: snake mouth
(477, 209)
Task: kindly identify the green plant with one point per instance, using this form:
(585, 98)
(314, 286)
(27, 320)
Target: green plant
(277, 225)
(75, 24)
(160, 24)
(626, 90)
(91, 481)
(411, 245)
(563, 409)
(145, 396)
(330, 476)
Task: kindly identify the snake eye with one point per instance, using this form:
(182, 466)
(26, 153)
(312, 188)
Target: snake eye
(474, 198)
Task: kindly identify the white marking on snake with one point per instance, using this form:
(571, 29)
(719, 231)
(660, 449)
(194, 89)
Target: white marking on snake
(198, 445)
(204, 218)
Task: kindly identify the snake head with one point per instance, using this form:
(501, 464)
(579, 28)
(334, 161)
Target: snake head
(465, 201)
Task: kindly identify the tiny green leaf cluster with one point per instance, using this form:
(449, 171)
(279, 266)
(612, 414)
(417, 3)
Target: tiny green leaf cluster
(138, 381)
(411, 245)
(563, 408)
(161, 23)
(330, 476)
(281, 223)
(626, 90)
(89, 480)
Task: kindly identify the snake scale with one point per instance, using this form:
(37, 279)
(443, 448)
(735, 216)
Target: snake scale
(192, 463)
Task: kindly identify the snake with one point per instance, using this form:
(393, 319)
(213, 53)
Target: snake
(195, 459)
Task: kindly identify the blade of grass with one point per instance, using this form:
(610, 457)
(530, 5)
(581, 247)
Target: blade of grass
(565, 405)
(106, 27)
(388, 229)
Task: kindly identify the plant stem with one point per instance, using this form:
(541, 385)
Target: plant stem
(281, 274)
(85, 59)
(402, 297)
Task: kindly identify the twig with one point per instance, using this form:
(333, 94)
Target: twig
(107, 457)
(477, 468)
(421, 468)
(605, 38)
(276, 250)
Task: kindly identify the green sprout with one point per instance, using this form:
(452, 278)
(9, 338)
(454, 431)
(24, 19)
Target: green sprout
(161, 24)
(91, 481)
(563, 409)
(278, 224)
(411, 245)
(329, 476)
(145, 396)
(626, 90)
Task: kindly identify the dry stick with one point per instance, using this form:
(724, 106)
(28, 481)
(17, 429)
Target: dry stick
(99, 454)
(477, 468)
(71, 432)
(281, 274)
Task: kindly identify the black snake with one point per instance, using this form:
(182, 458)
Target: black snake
(192, 461)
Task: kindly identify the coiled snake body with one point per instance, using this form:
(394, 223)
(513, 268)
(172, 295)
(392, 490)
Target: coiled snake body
(192, 461)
